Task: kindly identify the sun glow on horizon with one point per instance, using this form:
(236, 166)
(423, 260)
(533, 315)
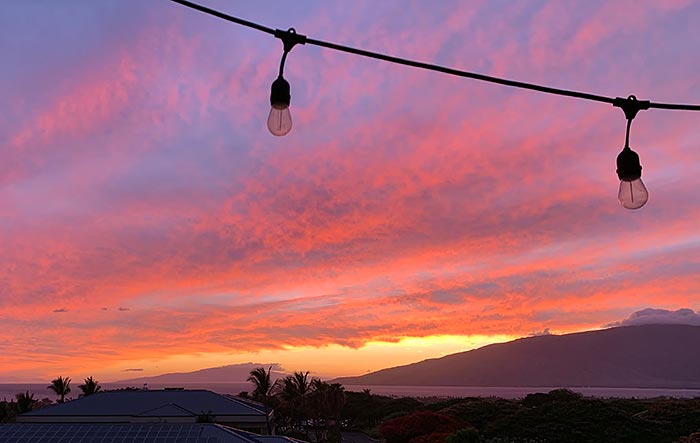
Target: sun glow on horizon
(327, 361)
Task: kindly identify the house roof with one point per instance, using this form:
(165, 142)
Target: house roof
(169, 410)
(246, 400)
(128, 433)
(269, 438)
(152, 403)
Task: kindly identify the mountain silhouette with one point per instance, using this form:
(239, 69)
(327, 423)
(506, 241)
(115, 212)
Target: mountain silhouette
(223, 374)
(649, 356)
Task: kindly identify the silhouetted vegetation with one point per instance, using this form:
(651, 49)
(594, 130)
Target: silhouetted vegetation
(90, 386)
(464, 435)
(24, 402)
(559, 416)
(61, 387)
(366, 411)
(8, 411)
(302, 405)
(420, 426)
(263, 391)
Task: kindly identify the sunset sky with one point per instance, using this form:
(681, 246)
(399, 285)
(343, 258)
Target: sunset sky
(148, 219)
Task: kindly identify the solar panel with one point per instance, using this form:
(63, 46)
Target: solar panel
(121, 433)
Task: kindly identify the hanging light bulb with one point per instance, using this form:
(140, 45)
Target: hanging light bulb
(632, 193)
(279, 122)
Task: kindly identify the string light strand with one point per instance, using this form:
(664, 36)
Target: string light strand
(294, 38)
(632, 192)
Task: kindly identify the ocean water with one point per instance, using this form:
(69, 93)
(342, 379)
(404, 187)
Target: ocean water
(8, 391)
(520, 392)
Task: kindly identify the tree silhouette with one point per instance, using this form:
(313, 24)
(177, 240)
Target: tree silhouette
(90, 387)
(294, 393)
(327, 399)
(301, 385)
(61, 387)
(326, 403)
(25, 402)
(263, 390)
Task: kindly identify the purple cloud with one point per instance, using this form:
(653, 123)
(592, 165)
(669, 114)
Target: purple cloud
(652, 316)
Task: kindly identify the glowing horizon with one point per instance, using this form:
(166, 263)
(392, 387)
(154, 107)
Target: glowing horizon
(149, 220)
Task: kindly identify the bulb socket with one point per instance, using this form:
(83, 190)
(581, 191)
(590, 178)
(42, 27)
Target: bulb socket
(279, 94)
(628, 166)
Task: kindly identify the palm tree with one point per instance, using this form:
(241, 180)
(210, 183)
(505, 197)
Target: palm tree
(302, 385)
(326, 402)
(90, 387)
(25, 401)
(295, 392)
(61, 386)
(336, 401)
(319, 408)
(263, 390)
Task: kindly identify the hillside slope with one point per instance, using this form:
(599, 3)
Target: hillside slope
(661, 356)
(223, 374)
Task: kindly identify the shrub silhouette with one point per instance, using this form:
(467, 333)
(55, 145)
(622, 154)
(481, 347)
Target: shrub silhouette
(418, 424)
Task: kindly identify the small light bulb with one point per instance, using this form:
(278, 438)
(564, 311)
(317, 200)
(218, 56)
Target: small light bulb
(279, 122)
(633, 194)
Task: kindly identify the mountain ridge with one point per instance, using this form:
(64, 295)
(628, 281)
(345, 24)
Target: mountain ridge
(235, 373)
(646, 356)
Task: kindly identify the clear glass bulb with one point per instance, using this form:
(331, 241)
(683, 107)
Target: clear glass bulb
(633, 194)
(279, 122)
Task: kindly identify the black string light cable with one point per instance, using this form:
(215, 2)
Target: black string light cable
(632, 193)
